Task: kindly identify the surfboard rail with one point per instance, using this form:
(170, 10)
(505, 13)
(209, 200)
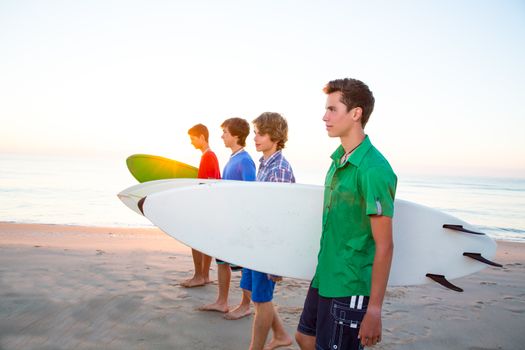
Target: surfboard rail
(147, 167)
(428, 243)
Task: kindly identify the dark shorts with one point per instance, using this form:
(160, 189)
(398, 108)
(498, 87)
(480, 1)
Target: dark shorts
(334, 322)
(259, 284)
(232, 266)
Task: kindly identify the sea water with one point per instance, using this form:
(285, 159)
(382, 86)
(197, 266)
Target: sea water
(82, 191)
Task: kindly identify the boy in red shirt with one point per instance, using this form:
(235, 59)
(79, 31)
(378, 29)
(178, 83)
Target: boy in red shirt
(208, 169)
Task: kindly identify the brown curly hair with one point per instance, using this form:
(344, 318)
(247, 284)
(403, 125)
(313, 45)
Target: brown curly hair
(274, 125)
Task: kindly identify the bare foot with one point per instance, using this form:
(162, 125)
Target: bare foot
(214, 307)
(238, 313)
(277, 343)
(194, 282)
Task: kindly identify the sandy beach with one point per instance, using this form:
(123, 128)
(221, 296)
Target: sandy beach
(72, 287)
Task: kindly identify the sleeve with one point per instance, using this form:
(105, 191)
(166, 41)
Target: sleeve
(248, 170)
(378, 185)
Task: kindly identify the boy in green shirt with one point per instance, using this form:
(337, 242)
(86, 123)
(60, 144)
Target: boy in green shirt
(343, 307)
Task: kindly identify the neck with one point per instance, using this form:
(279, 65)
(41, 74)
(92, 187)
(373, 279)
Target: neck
(236, 148)
(269, 153)
(205, 147)
(352, 140)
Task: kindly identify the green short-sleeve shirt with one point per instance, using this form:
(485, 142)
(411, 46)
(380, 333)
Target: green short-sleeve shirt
(363, 185)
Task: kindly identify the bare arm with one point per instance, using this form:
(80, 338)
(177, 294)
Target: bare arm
(370, 332)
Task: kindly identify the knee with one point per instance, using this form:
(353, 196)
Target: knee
(263, 308)
(299, 338)
(304, 341)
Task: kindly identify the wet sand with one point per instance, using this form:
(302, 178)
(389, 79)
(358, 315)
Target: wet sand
(72, 287)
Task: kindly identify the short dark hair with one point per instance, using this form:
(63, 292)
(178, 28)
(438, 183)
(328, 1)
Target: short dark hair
(198, 130)
(237, 127)
(275, 125)
(354, 93)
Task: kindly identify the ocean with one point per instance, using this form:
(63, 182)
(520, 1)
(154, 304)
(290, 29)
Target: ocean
(82, 191)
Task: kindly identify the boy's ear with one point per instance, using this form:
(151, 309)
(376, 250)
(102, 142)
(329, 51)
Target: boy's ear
(357, 114)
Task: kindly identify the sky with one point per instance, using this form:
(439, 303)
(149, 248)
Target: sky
(114, 78)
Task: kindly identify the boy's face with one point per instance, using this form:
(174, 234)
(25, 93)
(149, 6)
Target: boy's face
(337, 119)
(197, 141)
(229, 140)
(263, 143)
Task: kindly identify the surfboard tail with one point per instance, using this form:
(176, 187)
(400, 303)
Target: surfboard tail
(480, 258)
(461, 229)
(444, 282)
(140, 204)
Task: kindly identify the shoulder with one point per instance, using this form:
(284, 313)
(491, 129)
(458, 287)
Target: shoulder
(285, 164)
(246, 160)
(282, 171)
(209, 156)
(374, 161)
(375, 172)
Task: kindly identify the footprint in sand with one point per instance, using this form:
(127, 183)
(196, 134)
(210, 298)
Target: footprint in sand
(396, 314)
(289, 310)
(479, 305)
(489, 283)
(515, 311)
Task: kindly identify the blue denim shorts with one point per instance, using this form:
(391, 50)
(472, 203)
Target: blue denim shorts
(334, 322)
(259, 284)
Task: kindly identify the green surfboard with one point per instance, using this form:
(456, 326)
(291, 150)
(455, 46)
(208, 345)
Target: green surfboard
(145, 167)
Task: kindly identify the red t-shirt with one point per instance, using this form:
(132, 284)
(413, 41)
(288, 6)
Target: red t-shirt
(209, 166)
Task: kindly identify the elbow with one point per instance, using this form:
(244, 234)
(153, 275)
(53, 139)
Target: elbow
(385, 248)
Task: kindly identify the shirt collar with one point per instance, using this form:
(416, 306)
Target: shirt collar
(357, 155)
(236, 153)
(274, 156)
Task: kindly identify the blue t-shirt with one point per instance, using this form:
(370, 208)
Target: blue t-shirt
(239, 167)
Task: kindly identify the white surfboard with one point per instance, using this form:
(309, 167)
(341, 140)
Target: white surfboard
(132, 195)
(276, 228)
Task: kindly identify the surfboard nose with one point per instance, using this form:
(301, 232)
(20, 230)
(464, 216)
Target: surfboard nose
(140, 204)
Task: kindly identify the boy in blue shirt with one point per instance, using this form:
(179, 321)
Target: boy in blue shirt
(240, 167)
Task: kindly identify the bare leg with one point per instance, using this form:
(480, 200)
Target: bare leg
(280, 336)
(262, 322)
(243, 309)
(221, 304)
(198, 278)
(206, 263)
(306, 342)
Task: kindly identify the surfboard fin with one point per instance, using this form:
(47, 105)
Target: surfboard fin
(443, 281)
(479, 257)
(140, 204)
(461, 228)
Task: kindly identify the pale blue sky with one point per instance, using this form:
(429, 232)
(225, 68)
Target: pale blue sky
(123, 77)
